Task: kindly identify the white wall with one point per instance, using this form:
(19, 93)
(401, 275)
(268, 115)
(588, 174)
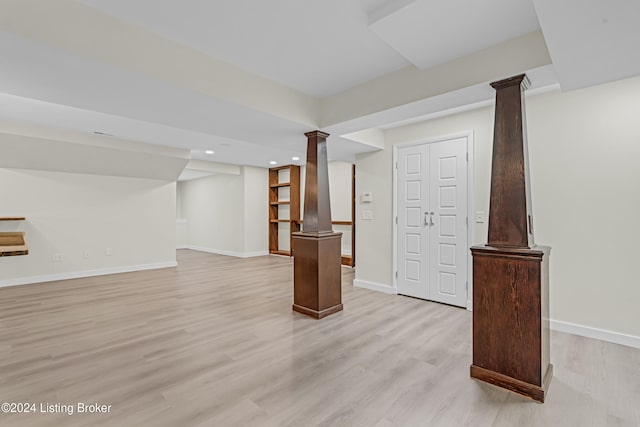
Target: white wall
(182, 230)
(340, 196)
(340, 190)
(584, 148)
(74, 215)
(227, 214)
(256, 210)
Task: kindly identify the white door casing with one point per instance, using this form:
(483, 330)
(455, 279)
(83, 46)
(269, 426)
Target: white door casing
(432, 257)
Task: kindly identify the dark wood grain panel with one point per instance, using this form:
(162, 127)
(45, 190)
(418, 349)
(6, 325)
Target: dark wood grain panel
(316, 249)
(317, 276)
(317, 206)
(510, 274)
(508, 201)
(507, 301)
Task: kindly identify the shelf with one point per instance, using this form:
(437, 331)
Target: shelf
(280, 184)
(12, 218)
(332, 222)
(281, 198)
(13, 244)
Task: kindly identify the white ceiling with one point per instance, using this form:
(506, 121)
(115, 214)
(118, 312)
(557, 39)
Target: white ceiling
(591, 41)
(466, 25)
(318, 47)
(62, 66)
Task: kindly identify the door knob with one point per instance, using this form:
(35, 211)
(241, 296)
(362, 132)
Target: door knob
(431, 218)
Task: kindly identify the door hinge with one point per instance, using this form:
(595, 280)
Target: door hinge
(396, 165)
(467, 155)
(466, 221)
(396, 220)
(396, 274)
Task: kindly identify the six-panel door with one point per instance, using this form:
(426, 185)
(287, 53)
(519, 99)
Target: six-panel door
(432, 221)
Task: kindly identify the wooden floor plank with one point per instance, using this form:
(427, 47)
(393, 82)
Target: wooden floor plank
(213, 342)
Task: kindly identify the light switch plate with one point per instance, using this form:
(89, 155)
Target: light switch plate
(367, 215)
(366, 197)
(480, 216)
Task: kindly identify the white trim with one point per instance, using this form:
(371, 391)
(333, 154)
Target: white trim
(470, 223)
(379, 287)
(254, 254)
(86, 273)
(182, 246)
(394, 220)
(595, 333)
(471, 218)
(228, 253)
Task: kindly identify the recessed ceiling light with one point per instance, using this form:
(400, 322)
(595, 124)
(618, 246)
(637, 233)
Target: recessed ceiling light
(273, 162)
(209, 151)
(295, 159)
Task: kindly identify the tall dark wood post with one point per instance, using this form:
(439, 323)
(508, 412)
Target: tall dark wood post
(510, 273)
(317, 278)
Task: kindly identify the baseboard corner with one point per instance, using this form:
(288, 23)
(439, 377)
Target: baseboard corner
(375, 286)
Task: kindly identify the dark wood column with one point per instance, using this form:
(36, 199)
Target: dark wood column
(317, 281)
(510, 206)
(510, 273)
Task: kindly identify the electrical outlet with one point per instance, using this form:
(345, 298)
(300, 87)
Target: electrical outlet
(367, 214)
(85, 255)
(108, 252)
(57, 258)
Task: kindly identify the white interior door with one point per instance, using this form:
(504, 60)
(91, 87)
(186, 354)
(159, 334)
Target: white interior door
(432, 221)
(448, 246)
(413, 228)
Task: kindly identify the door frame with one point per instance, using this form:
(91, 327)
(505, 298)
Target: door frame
(470, 223)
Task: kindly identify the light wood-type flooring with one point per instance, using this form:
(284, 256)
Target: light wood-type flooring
(214, 342)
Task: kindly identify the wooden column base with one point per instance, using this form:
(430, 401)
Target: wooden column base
(511, 319)
(532, 391)
(317, 279)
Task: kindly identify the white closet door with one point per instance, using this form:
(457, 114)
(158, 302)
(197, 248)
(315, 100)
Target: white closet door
(413, 228)
(448, 235)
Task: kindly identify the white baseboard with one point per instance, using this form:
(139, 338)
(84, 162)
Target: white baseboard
(254, 254)
(595, 333)
(86, 273)
(228, 253)
(374, 286)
